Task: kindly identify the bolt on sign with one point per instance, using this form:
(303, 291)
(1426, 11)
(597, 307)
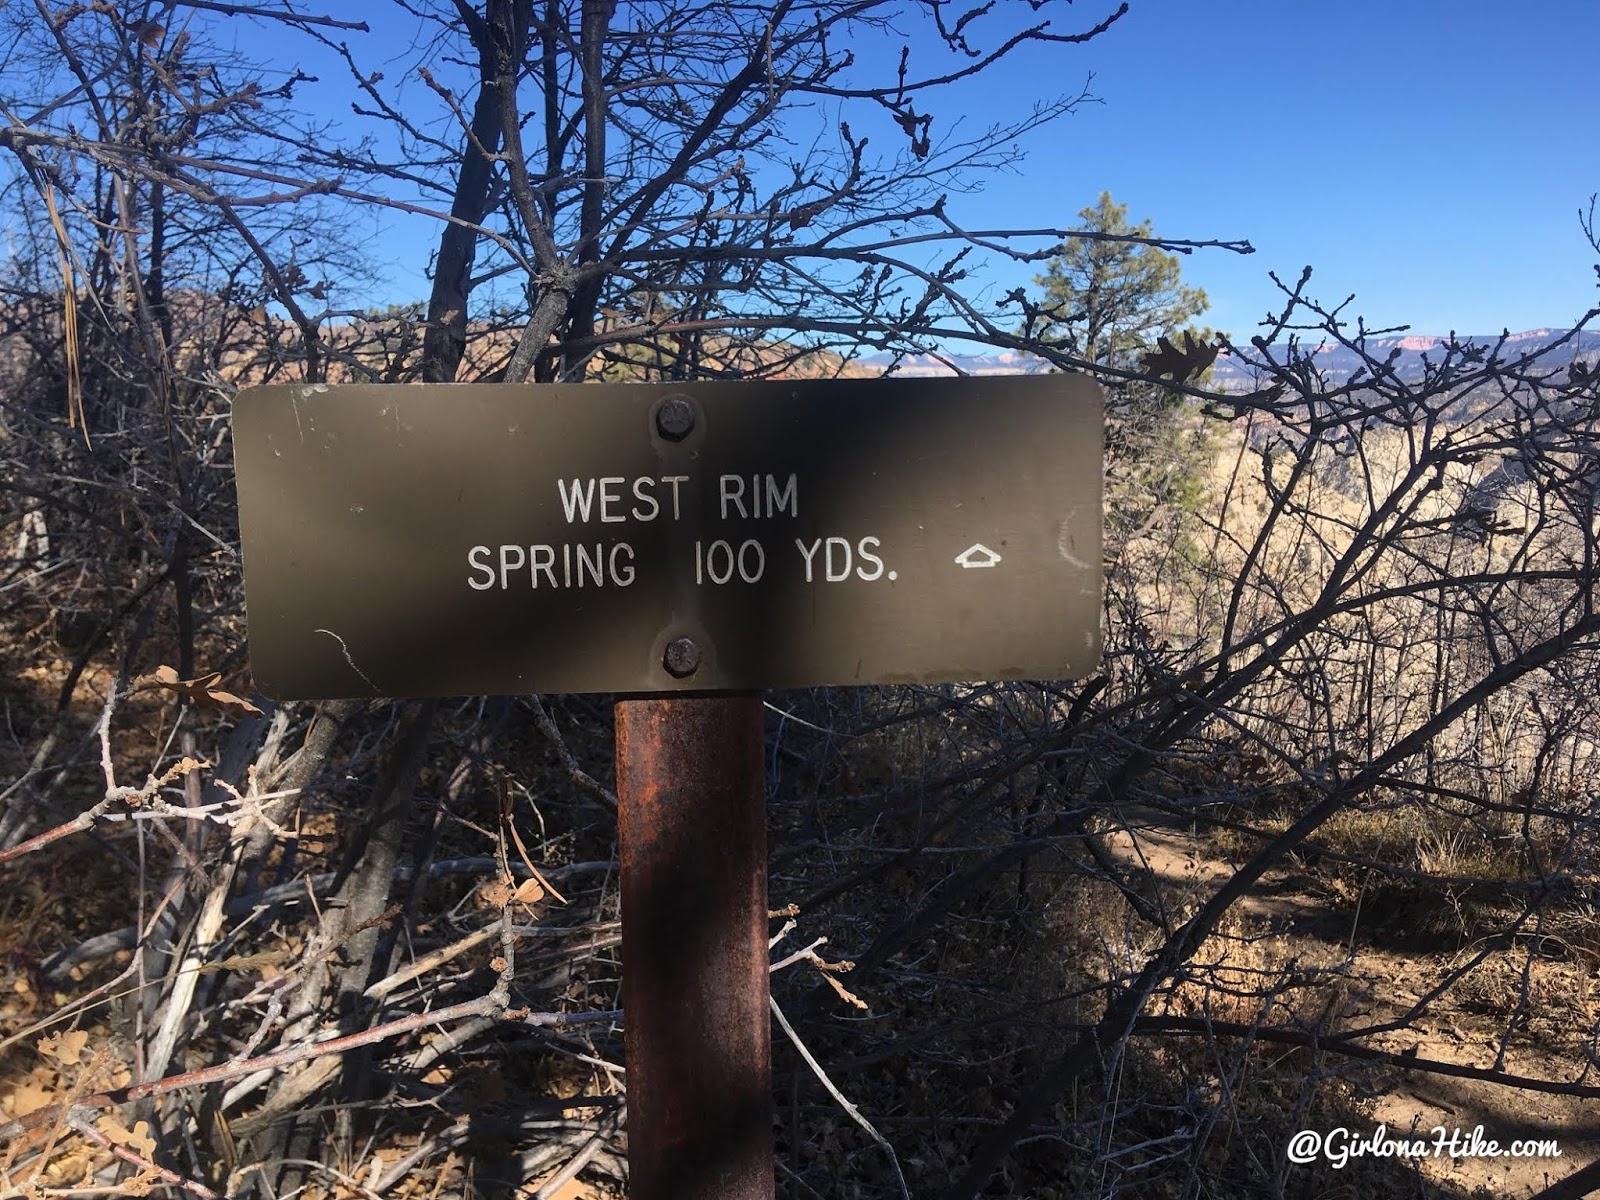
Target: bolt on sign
(470, 539)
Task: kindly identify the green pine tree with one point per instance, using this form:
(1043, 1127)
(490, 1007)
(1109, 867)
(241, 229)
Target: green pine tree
(1109, 303)
(1112, 300)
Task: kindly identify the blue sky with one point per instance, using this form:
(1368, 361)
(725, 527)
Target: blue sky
(1429, 157)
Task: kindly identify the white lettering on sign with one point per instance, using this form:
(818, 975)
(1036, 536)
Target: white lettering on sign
(578, 501)
(617, 499)
(566, 565)
(778, 501)
(719, 560)
(868, 557)
(607, 499)
(839, 557)
(577, 498)
(831, 559)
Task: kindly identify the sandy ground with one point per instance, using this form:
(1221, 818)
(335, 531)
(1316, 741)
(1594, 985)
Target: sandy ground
(1305, 913)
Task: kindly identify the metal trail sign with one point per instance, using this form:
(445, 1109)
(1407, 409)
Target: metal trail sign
(425, 540)
(434, 540)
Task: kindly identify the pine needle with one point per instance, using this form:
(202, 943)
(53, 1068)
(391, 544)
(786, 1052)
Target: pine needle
(69, 319)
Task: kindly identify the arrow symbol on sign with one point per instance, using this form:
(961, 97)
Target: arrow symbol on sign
(977, 555)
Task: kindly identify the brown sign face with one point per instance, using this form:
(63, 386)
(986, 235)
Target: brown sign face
(441, 540)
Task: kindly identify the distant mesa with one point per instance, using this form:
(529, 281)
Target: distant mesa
(929, 366)
(1337, 363)
(1230, 375)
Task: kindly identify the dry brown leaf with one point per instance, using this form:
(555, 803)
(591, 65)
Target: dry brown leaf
(509, 824)
(529, 892)
(65, 1048)
(203, 691)
(142, 1184)
(26, 1097)
(1167, 359)
(139, 1139)
(71, 1168)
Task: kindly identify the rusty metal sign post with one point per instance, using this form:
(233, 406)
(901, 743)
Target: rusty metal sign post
(692, 837)
(692, 840)
(683, 546)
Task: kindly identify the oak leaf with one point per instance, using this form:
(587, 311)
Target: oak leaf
(65, 1048)
(137, 1139)
(203, 692)
(1167, 359)
(26, 1097)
